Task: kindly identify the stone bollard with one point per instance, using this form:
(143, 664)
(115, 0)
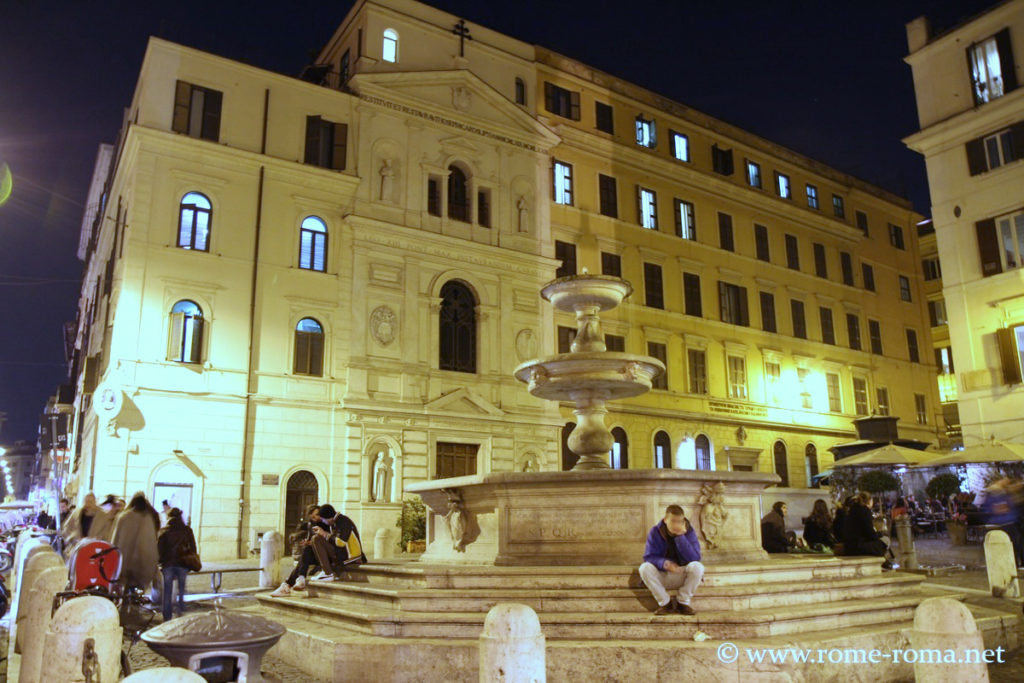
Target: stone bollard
(40, 603)
(907, 557)
(25, 545)
(1002, 565)
(84, 632)
(271, 551)
(165, 674)
(512, 646)
(40, 560)
(945, 624)
(383, 546)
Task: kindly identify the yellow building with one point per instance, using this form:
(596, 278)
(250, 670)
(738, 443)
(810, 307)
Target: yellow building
(971, 111)
(318, 288)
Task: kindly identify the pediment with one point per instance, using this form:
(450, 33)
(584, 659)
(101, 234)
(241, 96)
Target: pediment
(464, 400)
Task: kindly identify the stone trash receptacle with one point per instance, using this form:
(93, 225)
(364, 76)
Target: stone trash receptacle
(218, 645)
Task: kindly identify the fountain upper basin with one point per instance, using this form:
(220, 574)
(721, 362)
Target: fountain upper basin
(608, 375)
(576, 292)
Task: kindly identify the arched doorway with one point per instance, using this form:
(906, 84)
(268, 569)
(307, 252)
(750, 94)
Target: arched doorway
(301, 490)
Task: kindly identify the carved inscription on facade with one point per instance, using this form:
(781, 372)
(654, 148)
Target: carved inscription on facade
(581, 525)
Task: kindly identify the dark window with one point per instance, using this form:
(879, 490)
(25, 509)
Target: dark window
(618, 458)
(868, 274)
(702, 450)
(812, 196)
(653, 295)
(725, 240)
(662, 451)
(896, 236)
(811, 459)
(904, 288)
(455, 459)
(996, 149)
(761, 243)
(799, 321)
(565, 103)
(614, 342)
(846, 265)
(458, 194)
(937, 312)
(768, 312)
(326, 143)
(185, 341)
(343, 70)
(566, 253)
(732, 304)
(197, 111)
(609, 195)
(611, 264)
(820, 264)
(792, 253)
(921, 408)
(603, 115)
(991, 67)
(458, 328)
(434, 196)
(195, 218)
(565, 337)
(483, 208)
(853, 330)
(828, 332)
(520, 91)
(698, 368)
(309, 348)
(686, 220)
(721, 160)
(313, 244)
(860, 396)
(838, 208)
(781, 463)
(656, 350)
(862, 221)
(932, 268)
(691, 294)
(912, 351)
(989, 247)
(875, 333)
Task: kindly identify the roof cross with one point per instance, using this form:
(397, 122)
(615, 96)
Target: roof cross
(462, 31)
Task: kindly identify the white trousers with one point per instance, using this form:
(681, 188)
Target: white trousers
(660, 582)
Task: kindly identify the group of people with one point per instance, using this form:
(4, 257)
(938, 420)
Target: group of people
(327, 540)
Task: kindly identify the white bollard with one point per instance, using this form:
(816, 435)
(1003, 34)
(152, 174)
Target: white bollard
(383, 545)
(271, 552)
(1000, 560)
(947, 625)
(40, 603)
(165, 674)
(84, 632)
(26, 544)
(512, 646)
(906, 552)
(40, 560)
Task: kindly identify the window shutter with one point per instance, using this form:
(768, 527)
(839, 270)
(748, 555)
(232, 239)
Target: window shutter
(174, 336)
(988, 247)
(574, 105)
(679, 217)
(312, 140)
(639, 208)
(976, 161)
(195, 354)
(316, 354)
(182, 95)
(1017, 135)
(938, 359)
(340, 146)
(723, 303)
(211, 115)
(301, 364)
(1006, 60)
(744, 315)
(728, 167)
(1008, 356)
(549, 96)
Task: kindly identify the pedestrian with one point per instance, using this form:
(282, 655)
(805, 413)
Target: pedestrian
(88, 521)
(135, 536)
(174, 541)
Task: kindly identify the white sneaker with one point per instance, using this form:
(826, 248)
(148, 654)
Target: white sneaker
(283, 591)
(326, 578)
(300, 583)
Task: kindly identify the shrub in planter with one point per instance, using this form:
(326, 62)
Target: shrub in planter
(942, 486)
(878, 481)
(412, 521)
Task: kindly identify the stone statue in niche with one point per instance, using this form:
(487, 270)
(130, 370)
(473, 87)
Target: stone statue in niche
(526, 345)
(383, 322)
(529, 463)
(383, 475)
(456, 519)
(523, 210)
(387, 181)
(712, 512)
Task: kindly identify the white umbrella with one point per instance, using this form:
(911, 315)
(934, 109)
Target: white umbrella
(991, 452)
(890, 454)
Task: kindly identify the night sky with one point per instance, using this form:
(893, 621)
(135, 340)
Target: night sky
(823, 78)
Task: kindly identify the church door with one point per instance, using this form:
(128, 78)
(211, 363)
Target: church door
(302, 491)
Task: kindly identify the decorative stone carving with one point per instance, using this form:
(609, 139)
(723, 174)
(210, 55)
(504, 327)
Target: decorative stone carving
(712, 512)
(523, 210)
(538, 376)
(741, 435)
(383, 475)
(387, 181)
(461, 98)
(456, 519)
(383, 325)
(528, 462)
(526, 345)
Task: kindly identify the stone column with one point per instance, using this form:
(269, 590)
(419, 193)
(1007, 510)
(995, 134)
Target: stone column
(907, 557)
(945, 624)
(271, 551)
(512, 646)
(86, 628)
(1002, 565)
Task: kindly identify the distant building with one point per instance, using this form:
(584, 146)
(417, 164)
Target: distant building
(971, 110)
(21, 462)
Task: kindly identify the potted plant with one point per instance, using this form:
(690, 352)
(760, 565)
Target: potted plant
(941, 487)
(957, 527)
(413, 523)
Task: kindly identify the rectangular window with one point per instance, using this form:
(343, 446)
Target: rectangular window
(820, 264)
(868, 274)
(737, 377)
(828, 333)
(653, 295)
(768, 312)
(837, 206)
(680, 146)
(782, 187)
(564, 103)
(853, 330)
(860, 395)
(721, 160)
(896, 236)
(875, 333)
(326, 143)
(753, 174)
(656, 350)
(912, 351)
(565, 337)
(611, 264)
(563, 183)
(846, 265)
(921, 408)
(614, 342)
(698, 370)
(648, 208)
(197, 111)
(932, 268)
(686, 220)
(483, 208)
(812, 196)
(691, 295)
(725, 240)
(944, 360)
(343, 70)
(792, 253)
(566, 253)
(882, 400)
(862, 222)
(835, 401)
(806, 397)
(312, 249)
(605, 120)
(455, 459)
(1010, 232)
(761, 243)
(992, 68)
(799, 321)
(904, 288)
(995, 150)
(434, 196)
(645, 133)
(773, 381)
(937, 312)
(732, 304)
(609, 195)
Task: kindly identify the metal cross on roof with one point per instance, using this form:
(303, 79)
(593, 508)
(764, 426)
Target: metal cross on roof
(462, 31)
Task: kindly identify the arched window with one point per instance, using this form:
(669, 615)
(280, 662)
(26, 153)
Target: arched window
(194, 217)
(520, 91)
(811, 465)
(662, 451)
(702, 449)
(390, 51)
(313, 244)
(619, 455)
(568, 457)
(458, 328)
(458, 194)
(781, 465)
(309, 348)
(185, 341)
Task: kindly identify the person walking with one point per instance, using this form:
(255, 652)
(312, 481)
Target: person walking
(134, 535)
(174, 541)
(88, 521)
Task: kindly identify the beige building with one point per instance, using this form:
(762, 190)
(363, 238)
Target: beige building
(972, 137)
(318, 288)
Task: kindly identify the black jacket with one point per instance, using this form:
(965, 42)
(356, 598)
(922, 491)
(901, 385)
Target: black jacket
(815, 533)
(859, 535)
(173, 541)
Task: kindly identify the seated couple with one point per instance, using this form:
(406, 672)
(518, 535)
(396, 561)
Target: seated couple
(331, 542)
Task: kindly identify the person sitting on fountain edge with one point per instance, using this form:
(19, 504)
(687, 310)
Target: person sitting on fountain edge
(672, 560)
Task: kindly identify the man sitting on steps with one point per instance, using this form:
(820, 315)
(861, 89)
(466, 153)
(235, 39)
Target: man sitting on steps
(672, 560)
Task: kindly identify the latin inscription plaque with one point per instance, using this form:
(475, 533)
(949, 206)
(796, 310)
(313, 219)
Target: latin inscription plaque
(576, 525)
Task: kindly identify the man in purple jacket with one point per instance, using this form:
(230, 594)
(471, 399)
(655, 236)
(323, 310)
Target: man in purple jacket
(672, 560)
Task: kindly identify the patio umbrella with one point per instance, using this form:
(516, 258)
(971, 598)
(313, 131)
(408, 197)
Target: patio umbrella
(991, 452)
(890, 454)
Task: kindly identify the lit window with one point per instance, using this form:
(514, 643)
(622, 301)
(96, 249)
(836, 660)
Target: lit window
(835, 403)
(944, 357)
(662, 451)
(812, 196)
(882, 398)
(680, 147)
(185, 341)
(309, 348)
(737, 377)
(390, 49)
(194, 222)
(806, 398)
(563, 183)
(987, 68)
(1011, 235)
(618, 457)
(645, 133)
(313, 244)
(648, 209)
(686, 220)
(197, 111)
(753, 174)
(782, 187)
